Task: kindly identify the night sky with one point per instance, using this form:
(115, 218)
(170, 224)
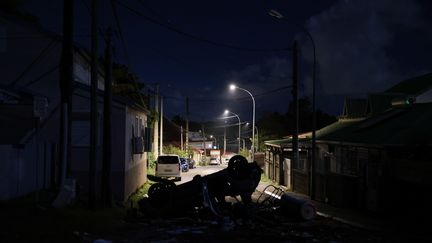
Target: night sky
(196, 48)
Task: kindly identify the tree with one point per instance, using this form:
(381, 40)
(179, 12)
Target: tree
(170, 149)
(274, 125)
(127, 84)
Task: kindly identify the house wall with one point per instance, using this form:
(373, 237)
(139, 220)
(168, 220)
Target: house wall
(128, 170)
(406, 182)
(351, 176)
(135, 164)
(300, 173)
(20, 175)
(29, 164)
(42, 77)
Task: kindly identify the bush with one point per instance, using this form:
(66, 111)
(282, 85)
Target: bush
(151, 160)
(174, 150)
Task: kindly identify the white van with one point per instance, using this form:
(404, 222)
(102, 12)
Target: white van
(168, 165)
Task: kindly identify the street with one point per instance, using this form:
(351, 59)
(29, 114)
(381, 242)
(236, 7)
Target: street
(199, 170)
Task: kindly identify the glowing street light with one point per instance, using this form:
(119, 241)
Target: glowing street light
(234, 87)
(215, 141)
(228, 112)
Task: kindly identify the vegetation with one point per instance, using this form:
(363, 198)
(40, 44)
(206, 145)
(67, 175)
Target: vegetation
(139, 194)
(170, 149)
(274, 125)
(244, 153)
(151, 160)
(127, 84)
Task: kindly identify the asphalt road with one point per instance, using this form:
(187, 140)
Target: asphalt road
(200, 170)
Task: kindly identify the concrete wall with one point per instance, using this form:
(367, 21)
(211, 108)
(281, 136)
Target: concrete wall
(22, 170)
(135, 164)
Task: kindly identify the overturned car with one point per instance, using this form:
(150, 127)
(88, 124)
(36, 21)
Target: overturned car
(206, 193)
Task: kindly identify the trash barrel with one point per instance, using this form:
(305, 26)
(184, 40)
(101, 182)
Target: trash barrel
(298, 207)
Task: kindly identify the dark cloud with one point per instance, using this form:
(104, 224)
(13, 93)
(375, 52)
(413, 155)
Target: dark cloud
(354, 42)
(270, 74)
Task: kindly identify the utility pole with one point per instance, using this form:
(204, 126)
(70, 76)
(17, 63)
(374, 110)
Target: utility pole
(224, 140)
(187, 124)
(107, 143)
(181, 138)
(295, 103)
(204, 141)
(156, 123)
(257, 139)
(66, 91)
(93, 107)
(161, 126)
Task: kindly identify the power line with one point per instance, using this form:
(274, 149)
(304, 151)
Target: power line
(42, 75)
(38, 57)
(20, 37)
(124, 46)
(197, 38)
(244, 98)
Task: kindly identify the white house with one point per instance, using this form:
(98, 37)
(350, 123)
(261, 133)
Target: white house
(29, 117)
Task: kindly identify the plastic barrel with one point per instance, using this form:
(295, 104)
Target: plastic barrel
(298, 207)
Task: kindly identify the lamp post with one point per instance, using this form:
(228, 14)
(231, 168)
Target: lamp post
(230, 112)
(234, 87)
(257, 145)
(214, 146)
(278, 15)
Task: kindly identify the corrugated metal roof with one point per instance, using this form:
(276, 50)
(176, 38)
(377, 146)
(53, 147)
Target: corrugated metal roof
(380, 102)
(409, 125)
(402, 126)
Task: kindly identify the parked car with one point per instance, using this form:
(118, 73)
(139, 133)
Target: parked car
(191, 163)
(168, 166)
(214, 161)
(184, 165)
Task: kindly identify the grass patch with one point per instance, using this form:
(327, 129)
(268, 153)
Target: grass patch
(139, 193)
(264, 178)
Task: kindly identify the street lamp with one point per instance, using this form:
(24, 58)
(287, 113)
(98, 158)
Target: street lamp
(234, 87)
(278, 15)
(215, 141)
(226, 113)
